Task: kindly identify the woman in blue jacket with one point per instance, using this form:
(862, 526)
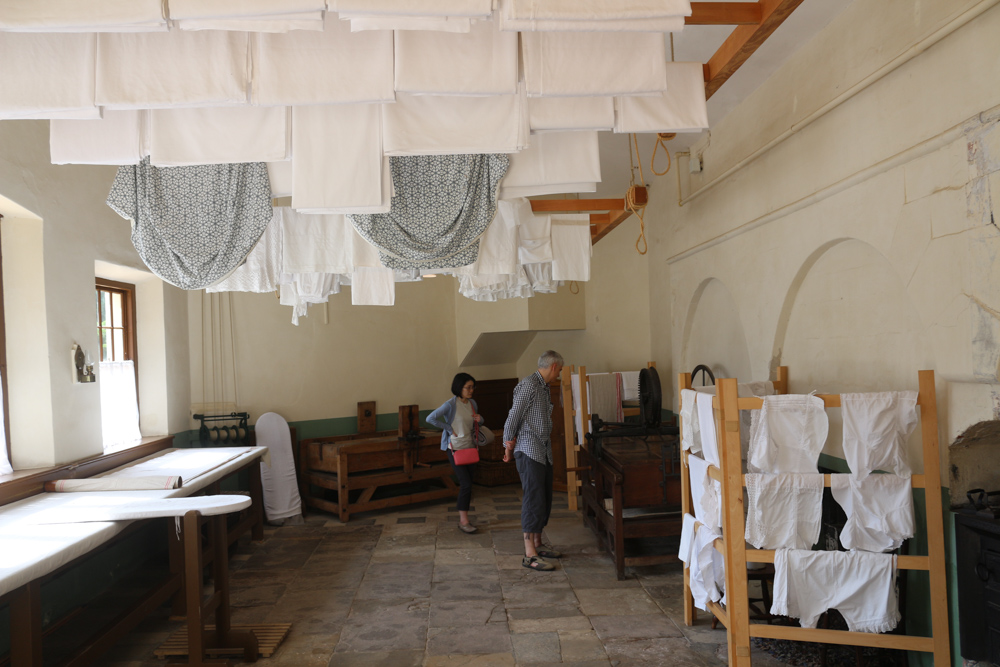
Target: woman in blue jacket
(456, 417)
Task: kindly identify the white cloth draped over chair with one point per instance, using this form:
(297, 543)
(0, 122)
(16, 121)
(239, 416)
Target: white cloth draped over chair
(119, 404)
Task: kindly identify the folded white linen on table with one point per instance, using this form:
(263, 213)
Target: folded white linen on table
(117, 484)
(594, 63)
(363, 22)
(879, 511)
(788, 434)
(337, 158)
(571, 247)
(690, 435)
(262, 268)
(547, 114)
(706, 493)
(482, 61)
(47, 73)
(82, 16)
(91, 507)
(553, 160)
(115, 139)
(356, 67)
(216, 135)
(316, 243)
(453, 124)
(172, 69)
(876, 426)
(534, 238)
(681, 108)
(372, 287)
(498, 244)
(783, 511)
(280, 175)
(860, 585)
(470, 8)
(595, 10)
(253, 15)
(706, 428)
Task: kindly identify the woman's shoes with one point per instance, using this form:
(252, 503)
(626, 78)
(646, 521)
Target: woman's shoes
(536, 563)
(467, 528)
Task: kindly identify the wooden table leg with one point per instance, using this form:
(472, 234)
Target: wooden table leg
(175, 552)
(26, 625)
(224, 635)
(257, 499)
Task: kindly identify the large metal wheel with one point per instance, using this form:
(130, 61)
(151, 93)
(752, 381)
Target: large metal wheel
(650, 397)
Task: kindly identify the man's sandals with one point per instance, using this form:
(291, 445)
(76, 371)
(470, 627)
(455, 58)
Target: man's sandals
(536, 563)
(546, 552)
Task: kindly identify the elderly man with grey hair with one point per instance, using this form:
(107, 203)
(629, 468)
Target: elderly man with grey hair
(527, 435)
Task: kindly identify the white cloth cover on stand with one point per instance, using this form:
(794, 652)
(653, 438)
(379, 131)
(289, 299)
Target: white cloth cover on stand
(172, 69)
(281, 488)
(355, 67)
(337, 161)
(82, 16)
(470, 8)
(560, 64)
(571, 247)
(681, 108)
(216, 135)
(372, 287)
(482, 61)
(552, 162)
(452, 124)
(116, 139)
(262, 268)
(119, 404)
(547, 114)
(47, 74)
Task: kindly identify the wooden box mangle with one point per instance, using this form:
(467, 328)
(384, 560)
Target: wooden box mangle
(372, 470)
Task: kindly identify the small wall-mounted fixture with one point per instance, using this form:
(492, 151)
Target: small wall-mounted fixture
(83, 370)
(694, 164)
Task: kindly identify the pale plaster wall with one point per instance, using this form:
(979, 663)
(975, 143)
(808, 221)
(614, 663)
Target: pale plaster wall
(77, 229)
(864, 245)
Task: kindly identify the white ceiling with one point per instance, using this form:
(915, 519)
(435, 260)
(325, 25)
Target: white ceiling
(697, 44)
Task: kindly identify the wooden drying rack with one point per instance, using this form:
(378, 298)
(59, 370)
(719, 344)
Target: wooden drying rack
(736, 615)
(601, 224)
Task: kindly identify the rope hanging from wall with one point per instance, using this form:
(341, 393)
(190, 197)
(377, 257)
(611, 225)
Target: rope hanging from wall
(630, 195)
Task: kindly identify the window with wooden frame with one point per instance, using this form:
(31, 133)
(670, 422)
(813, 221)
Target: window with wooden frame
(116, 321)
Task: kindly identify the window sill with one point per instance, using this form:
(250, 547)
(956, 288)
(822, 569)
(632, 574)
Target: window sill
(24, 483)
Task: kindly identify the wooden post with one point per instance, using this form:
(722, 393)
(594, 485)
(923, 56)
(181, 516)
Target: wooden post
(728, 429)
(690, 612)
(781, 384)
(26, 625)
(569, 431)
(927, 400)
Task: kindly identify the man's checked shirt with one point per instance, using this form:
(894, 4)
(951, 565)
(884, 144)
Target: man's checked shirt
(530, 419)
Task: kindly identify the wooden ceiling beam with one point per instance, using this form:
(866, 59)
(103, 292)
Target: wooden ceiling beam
(744, 40)
(724, 13)
(614, 218)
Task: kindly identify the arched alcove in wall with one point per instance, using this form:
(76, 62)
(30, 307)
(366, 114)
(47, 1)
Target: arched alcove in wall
(848, 325)
(713, 333)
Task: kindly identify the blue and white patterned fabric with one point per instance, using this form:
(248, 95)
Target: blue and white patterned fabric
(442, 205)
(192, 226)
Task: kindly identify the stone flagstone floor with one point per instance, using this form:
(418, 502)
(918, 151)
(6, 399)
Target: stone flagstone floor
(407, 588)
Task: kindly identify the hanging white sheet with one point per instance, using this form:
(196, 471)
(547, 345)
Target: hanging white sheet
(681, 108)
(300, 290)
(498, 244)
(82, 15)
(595, 63)
(571, 247)
(876, 426)
(788, 434)
(216, 135)
(706, 428)
(879, 511)
(783, 511)
(595, 10)
(337, 158)
(262, 268)
(534, 239)
(363, 22)
(278, 23)
(355, 67)
(668, 24)
(571, 113)
(281, 489)
(252, 15)
(706, 493)
(119, 404)
(470, 8)
(280, 175)
(553, 163)
(480, 62)
(173, 69)
(451, 124)
(115, 139)
(372, 287)
(45, 75)
(316, 243)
